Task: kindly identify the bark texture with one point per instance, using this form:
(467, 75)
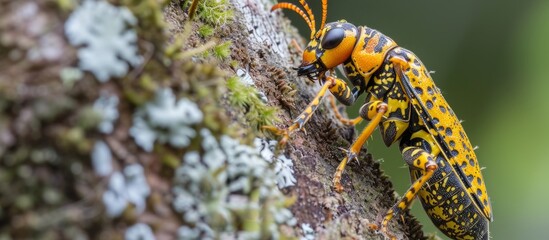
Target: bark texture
(48, 187)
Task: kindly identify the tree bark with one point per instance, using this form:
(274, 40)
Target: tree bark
(316, 151)
(48, 188)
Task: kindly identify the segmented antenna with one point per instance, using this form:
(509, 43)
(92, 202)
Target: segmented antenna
(324, 13)
(309, 16)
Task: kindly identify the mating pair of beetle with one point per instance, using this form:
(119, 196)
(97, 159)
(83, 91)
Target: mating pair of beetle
(404, 101)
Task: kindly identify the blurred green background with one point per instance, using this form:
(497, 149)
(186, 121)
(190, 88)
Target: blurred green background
(490, 59)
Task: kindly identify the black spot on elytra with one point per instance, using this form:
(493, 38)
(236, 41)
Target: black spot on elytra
(429, 104)
(415, 72)
(479, 181)
(448, 131)
(430, 90)
(454, 153)
(452, 143)
(479, 192)
(435, 121)
(442, 109)
(419, 90)
(472, 162)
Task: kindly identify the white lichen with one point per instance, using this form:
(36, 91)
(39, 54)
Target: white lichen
(166, 121)
(106, 105)
(137, 188)
(282, 165)
(139, 231)
(223, 179)
(308, 232)
(200, 231)
(257, 17)
(115, 197)
(107, 44)
(101, 158)
(123, 189)
(245, 77)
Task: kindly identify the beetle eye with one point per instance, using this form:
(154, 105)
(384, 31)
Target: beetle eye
(333, 38)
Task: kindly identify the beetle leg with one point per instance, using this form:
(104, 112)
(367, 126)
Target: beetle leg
(377, 110)
(416, 158)
(341, 91)
(300, 121)
(345, 121)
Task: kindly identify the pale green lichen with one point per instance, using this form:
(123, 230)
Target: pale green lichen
(70, 75)
(124, 188)
(308, 232)
(106, 44)
(139, 231)
(282, 164)
(101, 159)
(224, 192)
(165, 120)
(106, 106)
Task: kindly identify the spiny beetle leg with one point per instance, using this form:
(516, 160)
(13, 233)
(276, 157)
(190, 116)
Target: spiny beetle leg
(345, 121)
(300, 121)
(416, 158)
(282, 132)
(359, 142)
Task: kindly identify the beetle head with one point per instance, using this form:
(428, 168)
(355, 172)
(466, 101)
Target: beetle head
(330, 46)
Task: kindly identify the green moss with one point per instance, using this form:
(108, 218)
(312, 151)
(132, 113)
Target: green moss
(234, 64)
(263, 115)
(215, 12)
(170, 160)
(242, 96)
(223, 50)
(206, 31)
(66, 5)
(176, 49)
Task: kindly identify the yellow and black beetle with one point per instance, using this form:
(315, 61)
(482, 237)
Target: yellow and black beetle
(404, 101)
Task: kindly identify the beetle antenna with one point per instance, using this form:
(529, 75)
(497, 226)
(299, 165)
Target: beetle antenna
(311, 16)
(324, 13)
(298, 11)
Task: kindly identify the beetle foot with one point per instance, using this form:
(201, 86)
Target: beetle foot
(350, 154)
(383, 230)
(282, 132)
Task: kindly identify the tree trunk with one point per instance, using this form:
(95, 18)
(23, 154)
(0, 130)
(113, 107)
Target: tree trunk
(54, 130)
